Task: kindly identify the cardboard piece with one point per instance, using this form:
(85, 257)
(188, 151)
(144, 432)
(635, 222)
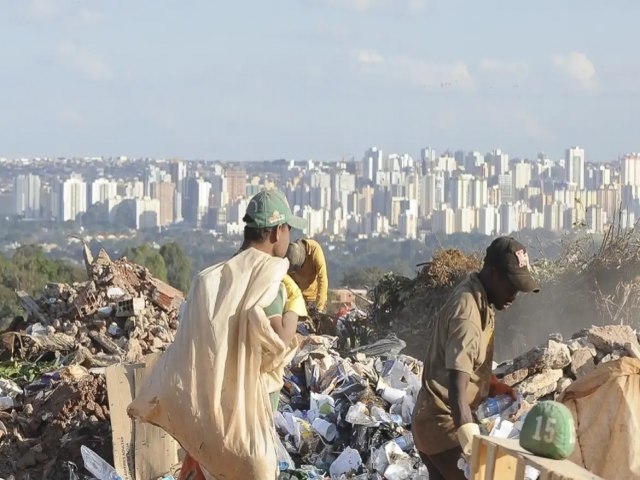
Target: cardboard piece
(140, 451)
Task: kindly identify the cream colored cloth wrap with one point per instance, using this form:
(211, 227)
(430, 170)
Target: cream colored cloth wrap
(208, 389)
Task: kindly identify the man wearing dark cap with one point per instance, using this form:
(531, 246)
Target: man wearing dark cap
(457, 368)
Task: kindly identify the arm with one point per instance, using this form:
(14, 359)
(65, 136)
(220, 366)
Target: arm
(321, 278)
(460, 409)
(285, 326)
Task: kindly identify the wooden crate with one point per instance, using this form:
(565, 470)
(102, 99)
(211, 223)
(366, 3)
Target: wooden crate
(501, 459)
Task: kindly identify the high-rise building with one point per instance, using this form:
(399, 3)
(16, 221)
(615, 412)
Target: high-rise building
(488, 220)
(178, 171)
(498, 161)
(595, 219)
(461, 195)
(101, 190)
(198, 200)
(443, 221)
(26, 196)
(71, 198)
(630, 169)
(372, 163)
(236, 183)
(479, 192)
(574, 166)
(521, 175)
(508, 219)
(146, 213)
(554, 216)
(165, 193)
(464, 220)
(506, 188)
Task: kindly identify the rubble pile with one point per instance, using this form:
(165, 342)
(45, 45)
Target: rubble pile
(41, 436)
(53, 396)
(345, 409)
(544, 372)
(120, 314)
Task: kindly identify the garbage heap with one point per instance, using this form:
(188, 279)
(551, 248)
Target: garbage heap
(349, 415)
(53, 395)
(120, 314)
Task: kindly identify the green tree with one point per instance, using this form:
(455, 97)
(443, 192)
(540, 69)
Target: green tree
(148, 257)
(178, 266)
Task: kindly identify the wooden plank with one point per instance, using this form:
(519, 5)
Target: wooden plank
(556, 469)
(120, 383)
(492, 452)
(506, 465)
(156, 452)
(475, 458)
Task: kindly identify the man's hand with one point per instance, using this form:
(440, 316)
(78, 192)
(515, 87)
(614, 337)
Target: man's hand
(465, 436)
(498, 388)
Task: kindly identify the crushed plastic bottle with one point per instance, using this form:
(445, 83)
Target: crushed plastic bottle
(405, 442)
(97, 466)
(493, 406)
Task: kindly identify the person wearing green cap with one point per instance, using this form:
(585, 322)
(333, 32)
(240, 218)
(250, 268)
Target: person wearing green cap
(268, 221)
(457, 367)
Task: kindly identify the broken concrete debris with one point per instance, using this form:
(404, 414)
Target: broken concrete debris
(543, 373)
(120, 313)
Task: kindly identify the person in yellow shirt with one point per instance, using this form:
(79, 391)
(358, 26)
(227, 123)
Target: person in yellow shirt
(308, 269)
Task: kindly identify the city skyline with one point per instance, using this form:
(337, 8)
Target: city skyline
(380, 194)
(316, 78)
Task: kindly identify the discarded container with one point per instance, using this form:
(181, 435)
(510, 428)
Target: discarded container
(493, 406)
(393, 395)
(405, 442)
(349, 461)
(284, 459)
(327, 430)
(97, 466)
(358, 415)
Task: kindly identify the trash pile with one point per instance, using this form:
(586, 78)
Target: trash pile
(53, 396)
(345, 409)
(349, 416)
(120, 314)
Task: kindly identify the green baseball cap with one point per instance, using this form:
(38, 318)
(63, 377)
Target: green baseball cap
(270, 208)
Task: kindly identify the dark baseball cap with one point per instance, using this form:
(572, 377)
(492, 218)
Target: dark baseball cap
(510, 256)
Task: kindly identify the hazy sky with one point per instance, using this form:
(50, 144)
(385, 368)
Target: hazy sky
(322, 79)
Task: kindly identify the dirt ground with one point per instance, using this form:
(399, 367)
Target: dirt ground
(47, 434)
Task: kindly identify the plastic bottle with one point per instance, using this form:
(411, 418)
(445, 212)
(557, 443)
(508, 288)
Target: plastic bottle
(405, 442)
(97, 465)
(493, 406)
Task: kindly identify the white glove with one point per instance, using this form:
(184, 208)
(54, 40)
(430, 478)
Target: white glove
(466, 433)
